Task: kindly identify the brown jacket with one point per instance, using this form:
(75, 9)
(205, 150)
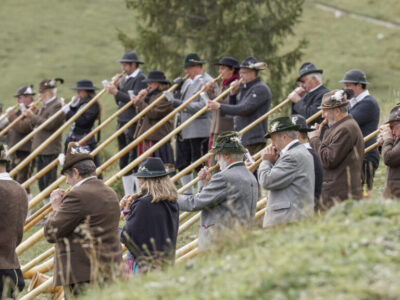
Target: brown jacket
(152, 117)
(341, 152)
(45, 113)
(13, 210)
(391, 158)
(85, 228)
(219, 121)
(21, 129)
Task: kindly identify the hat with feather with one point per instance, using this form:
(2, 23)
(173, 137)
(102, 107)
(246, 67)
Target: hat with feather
(49, 84)
(26, 90)
(75, 153)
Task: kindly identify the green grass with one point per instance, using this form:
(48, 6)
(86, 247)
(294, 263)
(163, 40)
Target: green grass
(350, 253)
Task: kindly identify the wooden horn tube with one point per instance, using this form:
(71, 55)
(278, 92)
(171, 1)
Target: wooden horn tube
(37, 219)
(43, 288)
(3, 116)
(30, 241)
(188, 255)
(42, 268)
(19, 118)
(55, 134)
(373, 146)
(37, 260)
(371, 135)
(185, 249)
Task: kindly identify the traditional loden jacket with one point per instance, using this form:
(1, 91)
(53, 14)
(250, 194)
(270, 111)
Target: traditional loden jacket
(341, 152)
(85, 229)
(391, 158)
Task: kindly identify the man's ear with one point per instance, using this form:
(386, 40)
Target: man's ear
(75, 172)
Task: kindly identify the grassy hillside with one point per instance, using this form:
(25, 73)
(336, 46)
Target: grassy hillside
(350, 253)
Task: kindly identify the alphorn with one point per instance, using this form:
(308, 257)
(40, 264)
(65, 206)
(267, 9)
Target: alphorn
(97, 129)
(4, 115)
(17, 119)
(39, 234)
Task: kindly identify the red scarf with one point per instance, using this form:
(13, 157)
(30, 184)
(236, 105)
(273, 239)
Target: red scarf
(229, 80)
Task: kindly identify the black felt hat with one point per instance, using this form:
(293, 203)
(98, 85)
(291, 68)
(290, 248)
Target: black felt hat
(394, 115)
(253, 64)
(302, 122)
(229, 62)
(151, 167)
(355, 76)
(84, 84)
(156, 76)
(281, 124)
(130, 57)
(308, 68)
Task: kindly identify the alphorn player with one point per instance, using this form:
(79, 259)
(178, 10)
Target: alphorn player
(365, 110)
(51, 105)
(22, 128)
(85, 91)
(229, 197)
(133, 81)
(156, 84)
(192, 143)
(307, 98)
(287, 172)
(83, 225)
(13, 211)
(247, 102)
(341, 150)
(390, 141)
(228, 68)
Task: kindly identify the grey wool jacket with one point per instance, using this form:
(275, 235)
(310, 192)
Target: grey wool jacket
(290, 182)
(199, 128)
(252, 101)
(230, 196)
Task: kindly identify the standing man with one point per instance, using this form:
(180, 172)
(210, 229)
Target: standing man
(306, 100)
(192, 143)
(13, 210)
(390, 141)
(133, 81)
(21, 129)
(228, 197)
(287, 171)
(83, 225)
(302, 136)
(51, 105)
(365, 110)
(341, 151)
(247, 102)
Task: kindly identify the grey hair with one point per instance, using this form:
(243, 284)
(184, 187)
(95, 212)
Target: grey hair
(290, 133)
(237, 156)
(317, 76)
(344, 109)
(85, 168)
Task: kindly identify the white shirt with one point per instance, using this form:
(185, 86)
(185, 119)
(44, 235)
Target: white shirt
(133, 74)
(288, 146)
(357, 99)
(50, 100)
(315, 88)
(83, 181)
(307, 145)
(5, 176)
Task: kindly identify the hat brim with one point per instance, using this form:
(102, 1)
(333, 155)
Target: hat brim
(156, 80)
(69, 164)
(33, 94)
(294, 128)
(85, 89)
(353, 81)
(248, 67)
(129, 61)
(335, 106)
(320, 71)
(150, 175)
(192, 64)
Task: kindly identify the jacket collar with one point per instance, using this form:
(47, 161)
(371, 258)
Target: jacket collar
(341, 121)
(235, 164)
(251, 83)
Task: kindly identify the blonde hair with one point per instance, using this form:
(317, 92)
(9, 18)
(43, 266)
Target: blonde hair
(160, 188)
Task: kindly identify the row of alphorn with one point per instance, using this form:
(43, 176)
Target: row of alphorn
(183, 253)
